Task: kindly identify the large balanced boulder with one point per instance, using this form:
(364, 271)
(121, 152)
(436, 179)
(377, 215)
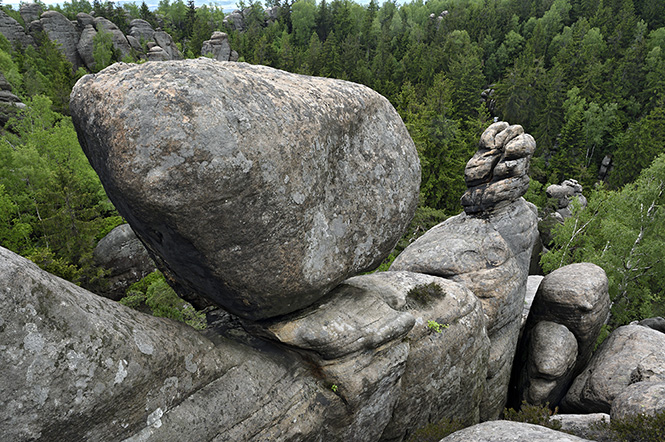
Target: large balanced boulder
(631, 354)
(256, 188)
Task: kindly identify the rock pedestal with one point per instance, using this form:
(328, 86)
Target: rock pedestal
(488, 248)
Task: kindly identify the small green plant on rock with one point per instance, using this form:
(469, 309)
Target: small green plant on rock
(334, 388)
(422, 295)
(533, 414)
(436, 431)
(435, 326)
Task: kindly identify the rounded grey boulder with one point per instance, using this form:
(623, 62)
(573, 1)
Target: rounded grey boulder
(640, 398)
(258, 189)
(508, 431)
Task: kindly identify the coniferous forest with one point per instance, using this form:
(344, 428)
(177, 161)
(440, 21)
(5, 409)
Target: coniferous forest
(585, 77)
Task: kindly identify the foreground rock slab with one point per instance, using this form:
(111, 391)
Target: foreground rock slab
(76, 366)
(258, 189)
(507, 431)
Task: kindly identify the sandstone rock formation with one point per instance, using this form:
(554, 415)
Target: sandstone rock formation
(124, 257)
(9, 103)
(259, 189)
(446, 369)
(581, 425)
(75, 40)
(489, 248)
(656, 323)
(75, 366)
(631, 354)
(550, 357)
(497, 173)
(507, 431)
(569, 309)
(641, 398)
(563, 194)
(30, 11)
(13, 31)
(219, 48)
(60, 29)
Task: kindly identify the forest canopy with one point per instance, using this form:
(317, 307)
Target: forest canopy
(585, 77)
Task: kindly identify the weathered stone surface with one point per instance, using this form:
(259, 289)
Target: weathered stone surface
(507, 431)
(83, 20)
(59, 29)
(165, 41)
(532, 284)
(156, 53)
(490, 256)
(75, 366)
(497, 174)
(348, 321)
(123, 255)
(119, 40)
(564, 193)
(356, 339)
(13, 31)
(656, 323)
(631, 354)
(141, 29)
(640, 398)
(576, 296)
(30, 11)
(135, 44)
(581, 425)
(445, 372)
(85, 46)
(214, 163)
(551, 355)
(218, 46)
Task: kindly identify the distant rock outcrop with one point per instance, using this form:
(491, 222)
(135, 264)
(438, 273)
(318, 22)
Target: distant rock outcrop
(75, 39)
(563, 194)
(218, 47)
(30, 11)
(259, 189)
(489, 248)
(13, 31)
(61, 30)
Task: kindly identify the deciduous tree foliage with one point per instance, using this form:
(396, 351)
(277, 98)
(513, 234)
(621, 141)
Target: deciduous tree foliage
(622, 231)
